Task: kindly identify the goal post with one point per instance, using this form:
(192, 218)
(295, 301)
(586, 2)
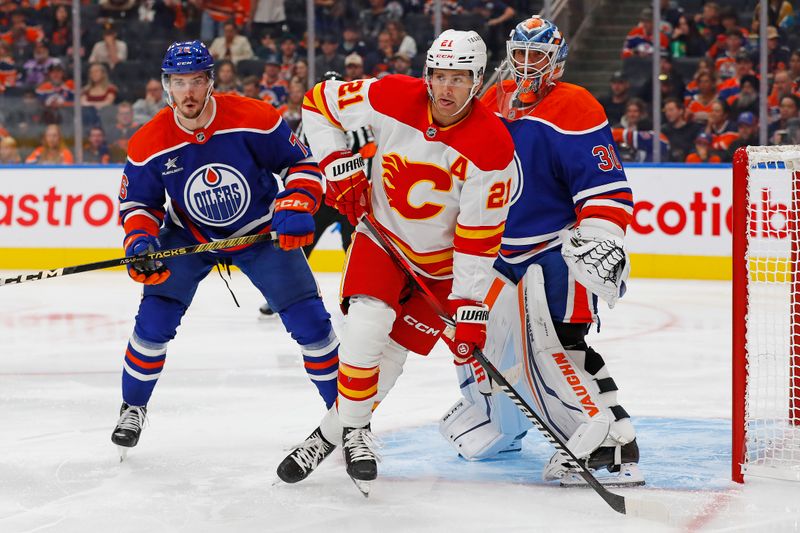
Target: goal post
(766, 313)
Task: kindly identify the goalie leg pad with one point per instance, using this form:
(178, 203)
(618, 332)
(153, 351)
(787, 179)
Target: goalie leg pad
(364, 339)
(483, 424)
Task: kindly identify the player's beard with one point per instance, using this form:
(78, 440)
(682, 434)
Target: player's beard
(188, 115)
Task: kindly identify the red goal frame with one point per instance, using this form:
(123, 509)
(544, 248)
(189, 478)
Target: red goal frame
(741, 226)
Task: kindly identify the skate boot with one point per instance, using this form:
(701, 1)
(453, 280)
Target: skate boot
(305, 457)
(129, 427)
(360, 457)
(621, 462)
(265, 312)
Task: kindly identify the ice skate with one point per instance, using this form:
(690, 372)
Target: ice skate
(613, 466)
(360, 457)
(305, 457)
(265, 312)
(129, 428)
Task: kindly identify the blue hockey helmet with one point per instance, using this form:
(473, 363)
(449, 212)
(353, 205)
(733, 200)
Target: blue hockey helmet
(187, 57)
(536, 71)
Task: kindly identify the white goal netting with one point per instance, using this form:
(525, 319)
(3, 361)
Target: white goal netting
(772, 313)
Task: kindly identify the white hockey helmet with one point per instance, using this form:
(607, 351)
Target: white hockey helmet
(457, 50)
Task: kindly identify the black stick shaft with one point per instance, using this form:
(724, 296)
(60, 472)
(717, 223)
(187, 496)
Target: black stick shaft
(124, 261)
(616, 501)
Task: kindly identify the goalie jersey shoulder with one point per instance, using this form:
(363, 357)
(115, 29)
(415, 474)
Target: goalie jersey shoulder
(481, 137)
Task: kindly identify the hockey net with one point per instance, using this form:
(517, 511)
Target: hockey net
(766, 312)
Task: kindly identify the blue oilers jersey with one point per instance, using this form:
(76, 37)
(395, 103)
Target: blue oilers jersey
(571, 171)
(218, 181)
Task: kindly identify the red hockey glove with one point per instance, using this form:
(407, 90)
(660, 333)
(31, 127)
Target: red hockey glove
(349, 189)
(470, 332)
(150, 272)
(293, 220)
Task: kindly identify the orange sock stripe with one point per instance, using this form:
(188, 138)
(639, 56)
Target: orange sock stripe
(322, 365)
(144, 364)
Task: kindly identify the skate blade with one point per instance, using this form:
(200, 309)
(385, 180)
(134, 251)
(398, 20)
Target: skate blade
(572, 480)
(123, 453)
(362, 486)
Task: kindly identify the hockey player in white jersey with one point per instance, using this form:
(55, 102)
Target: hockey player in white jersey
(440, 195)
(562, 249)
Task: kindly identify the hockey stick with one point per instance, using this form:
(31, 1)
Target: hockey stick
(160, 254)
(628, 506)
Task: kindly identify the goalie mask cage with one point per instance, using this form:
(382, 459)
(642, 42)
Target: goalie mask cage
(766, 312)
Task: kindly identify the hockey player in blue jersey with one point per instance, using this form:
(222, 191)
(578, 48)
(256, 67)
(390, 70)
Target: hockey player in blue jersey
(562, 248)
(213, 161)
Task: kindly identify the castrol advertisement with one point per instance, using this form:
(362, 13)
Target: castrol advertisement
(681, 221)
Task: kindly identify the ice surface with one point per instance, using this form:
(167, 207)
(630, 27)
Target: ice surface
(234, 397)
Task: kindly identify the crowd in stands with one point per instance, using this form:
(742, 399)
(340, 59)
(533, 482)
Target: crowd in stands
(259, 47)
(710, 81)
(709, 66)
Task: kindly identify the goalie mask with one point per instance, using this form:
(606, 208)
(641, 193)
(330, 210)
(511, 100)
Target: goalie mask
(536, 56)
(457, 50)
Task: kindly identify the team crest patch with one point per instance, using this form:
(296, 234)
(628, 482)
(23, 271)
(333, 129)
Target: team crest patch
(216, 195)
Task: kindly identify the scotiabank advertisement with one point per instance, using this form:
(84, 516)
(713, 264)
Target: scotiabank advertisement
(681, 225)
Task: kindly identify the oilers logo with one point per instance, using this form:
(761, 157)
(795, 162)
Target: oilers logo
(217, 195)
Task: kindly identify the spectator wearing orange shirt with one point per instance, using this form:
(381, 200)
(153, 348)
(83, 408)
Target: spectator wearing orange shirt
(217, 12)
(699, 106)
(722, 130)
(20, 36)
(702, 150)
(8, 67)
(52, 151)
(639, 41)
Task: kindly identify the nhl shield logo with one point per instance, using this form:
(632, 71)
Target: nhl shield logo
(201, 136)
(216, 195)
(431, 132)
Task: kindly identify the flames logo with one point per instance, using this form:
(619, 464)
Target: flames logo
(400, 176)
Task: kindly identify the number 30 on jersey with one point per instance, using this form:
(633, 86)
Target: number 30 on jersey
(608, 157)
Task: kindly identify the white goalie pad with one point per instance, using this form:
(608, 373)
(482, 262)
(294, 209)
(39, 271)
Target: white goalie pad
(522, 343)
(596, 257)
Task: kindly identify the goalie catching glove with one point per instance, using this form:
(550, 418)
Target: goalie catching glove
(293, 220)
(152, 272)
(469, 332)
(595, 254)
(348, 187)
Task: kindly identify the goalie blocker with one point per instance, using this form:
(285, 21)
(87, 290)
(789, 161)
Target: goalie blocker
(570, 385)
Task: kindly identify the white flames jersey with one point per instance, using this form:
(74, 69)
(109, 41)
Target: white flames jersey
(441, 193)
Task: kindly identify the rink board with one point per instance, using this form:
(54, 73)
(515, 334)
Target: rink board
(59, 216)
